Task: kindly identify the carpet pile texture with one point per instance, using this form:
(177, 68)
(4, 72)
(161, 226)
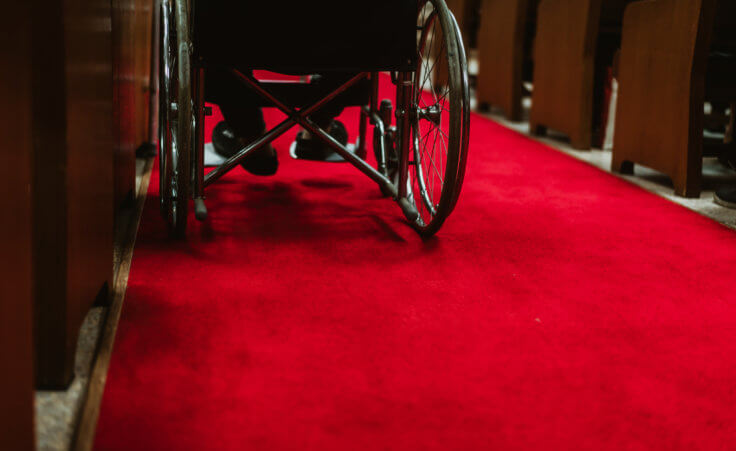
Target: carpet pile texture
(559, 308)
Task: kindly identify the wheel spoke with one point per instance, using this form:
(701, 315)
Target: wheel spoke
(438, 139)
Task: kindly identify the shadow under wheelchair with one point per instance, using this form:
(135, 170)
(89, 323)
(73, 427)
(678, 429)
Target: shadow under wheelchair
(279, 212)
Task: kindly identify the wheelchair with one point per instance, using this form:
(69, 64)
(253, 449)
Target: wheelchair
(420, 145)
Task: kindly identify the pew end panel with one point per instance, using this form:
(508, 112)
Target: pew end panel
(73, 178)
(502, 41)
(662, 67)
(16, 290)
(564, 66)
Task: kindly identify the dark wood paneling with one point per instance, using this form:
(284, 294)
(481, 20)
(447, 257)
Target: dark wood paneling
(124, 140)
(73, 178)
(131, 22)
(16, 354)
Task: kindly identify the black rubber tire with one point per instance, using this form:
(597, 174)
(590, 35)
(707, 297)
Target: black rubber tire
(434, 210)
(176, 126)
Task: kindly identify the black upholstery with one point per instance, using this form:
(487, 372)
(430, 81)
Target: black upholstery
(307, 36)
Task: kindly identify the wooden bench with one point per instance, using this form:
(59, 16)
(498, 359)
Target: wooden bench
(575, 44)
(505, 40)
(92, 103)
(73, 177)
(466, 14)
(131, 36)
(664, 67)
(16, 353)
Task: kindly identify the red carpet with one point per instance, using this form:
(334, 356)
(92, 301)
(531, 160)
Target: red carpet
(559, 308)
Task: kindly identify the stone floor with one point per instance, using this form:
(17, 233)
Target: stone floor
(57, 411)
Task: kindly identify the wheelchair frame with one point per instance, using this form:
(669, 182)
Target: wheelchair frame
(388, 139)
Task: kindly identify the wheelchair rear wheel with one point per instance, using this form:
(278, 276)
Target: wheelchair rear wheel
(175, 115)
(439, 118)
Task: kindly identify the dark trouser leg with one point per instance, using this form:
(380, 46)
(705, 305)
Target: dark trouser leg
(312, 148)
(243, 117)
(325, 83)
(238, 104)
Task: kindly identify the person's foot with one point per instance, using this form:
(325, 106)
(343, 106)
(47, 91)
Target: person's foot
(263, 161)
(726, 197)
(728, 158)
(311, 148)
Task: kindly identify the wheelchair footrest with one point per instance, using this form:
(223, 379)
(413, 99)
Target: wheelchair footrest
(333, 157)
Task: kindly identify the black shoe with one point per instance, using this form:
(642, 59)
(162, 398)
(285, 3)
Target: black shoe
(728, 158)
(726, 197)
(314, 149)
(263, 161)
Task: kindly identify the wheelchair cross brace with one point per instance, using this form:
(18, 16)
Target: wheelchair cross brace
(300, 117)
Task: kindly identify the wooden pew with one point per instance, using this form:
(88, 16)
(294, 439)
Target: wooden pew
(73, 176)
(16, 353)
(575, 44)
(662, 87)
(131, 34)
(466, 14)
(505, 39)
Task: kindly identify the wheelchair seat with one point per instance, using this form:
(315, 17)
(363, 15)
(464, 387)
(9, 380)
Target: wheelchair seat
(298, 37)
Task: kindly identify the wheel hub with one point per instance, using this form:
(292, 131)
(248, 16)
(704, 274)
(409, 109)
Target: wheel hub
(431, 113)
